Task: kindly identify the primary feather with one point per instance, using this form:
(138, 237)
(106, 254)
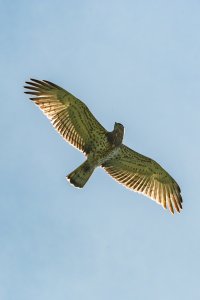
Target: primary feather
(144, 175)
(69, 115)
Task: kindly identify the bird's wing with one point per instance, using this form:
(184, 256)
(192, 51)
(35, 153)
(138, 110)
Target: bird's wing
(145, 176)
(70, 116)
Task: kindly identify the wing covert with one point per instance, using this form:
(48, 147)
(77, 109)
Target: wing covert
(69, 115)
(144, 175)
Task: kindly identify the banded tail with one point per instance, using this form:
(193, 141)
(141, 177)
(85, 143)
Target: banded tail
(80, 176)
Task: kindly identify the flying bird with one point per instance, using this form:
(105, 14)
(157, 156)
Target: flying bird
(77, 125)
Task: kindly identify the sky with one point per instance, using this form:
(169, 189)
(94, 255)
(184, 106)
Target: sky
(133, 62)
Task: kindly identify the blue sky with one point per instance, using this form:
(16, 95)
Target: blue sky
(134, 62)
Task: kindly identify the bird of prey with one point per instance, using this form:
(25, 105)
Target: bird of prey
(77, 125)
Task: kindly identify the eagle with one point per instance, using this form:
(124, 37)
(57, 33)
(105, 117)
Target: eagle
(78, 126)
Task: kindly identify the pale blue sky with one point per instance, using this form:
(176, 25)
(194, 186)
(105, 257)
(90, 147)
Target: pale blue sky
(134, 62)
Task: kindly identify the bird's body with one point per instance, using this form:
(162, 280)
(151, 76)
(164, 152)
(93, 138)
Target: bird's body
(106, 149)
(73, 120)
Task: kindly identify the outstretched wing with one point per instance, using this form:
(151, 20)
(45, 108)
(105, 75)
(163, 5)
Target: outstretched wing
(69, 115)
(145, 176)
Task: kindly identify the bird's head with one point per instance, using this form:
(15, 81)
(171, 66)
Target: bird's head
(118, 132)
(119, 127)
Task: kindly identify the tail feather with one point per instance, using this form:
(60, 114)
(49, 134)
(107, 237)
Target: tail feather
(80, 176)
